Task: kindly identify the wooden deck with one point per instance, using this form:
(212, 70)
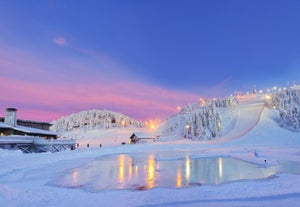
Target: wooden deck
(29, 144)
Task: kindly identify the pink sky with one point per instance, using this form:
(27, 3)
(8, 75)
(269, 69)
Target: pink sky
(51, 101)
(44, 91)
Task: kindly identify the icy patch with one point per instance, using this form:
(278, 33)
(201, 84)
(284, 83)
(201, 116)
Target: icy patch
(146, 171)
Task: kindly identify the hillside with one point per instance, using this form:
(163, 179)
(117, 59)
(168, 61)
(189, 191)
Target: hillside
(94, 119)
(227, 119)
(210, 121)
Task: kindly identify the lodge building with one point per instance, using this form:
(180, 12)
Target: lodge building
(9, 125)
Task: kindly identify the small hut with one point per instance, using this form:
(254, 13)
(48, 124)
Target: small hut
(141, 138)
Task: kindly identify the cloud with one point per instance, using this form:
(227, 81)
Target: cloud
(60, 41)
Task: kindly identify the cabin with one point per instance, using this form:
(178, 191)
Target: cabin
(9, 125)
(141, 138)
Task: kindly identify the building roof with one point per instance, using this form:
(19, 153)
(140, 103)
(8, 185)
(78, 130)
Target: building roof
(11, 109)
(33, 130)
(3, 125)
(28, 130)
(142, 135)
(28, 121)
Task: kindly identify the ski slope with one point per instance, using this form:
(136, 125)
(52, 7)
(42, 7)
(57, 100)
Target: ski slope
(249, 111)
(248, 114)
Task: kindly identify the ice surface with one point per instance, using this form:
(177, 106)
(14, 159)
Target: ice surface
(144, 171)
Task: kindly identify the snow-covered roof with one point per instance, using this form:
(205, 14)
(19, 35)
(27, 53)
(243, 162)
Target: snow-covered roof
(143, 135)
(27, 129)
(33, 130)
(3, 125)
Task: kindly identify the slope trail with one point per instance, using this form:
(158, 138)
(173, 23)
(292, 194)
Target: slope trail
(249, 111)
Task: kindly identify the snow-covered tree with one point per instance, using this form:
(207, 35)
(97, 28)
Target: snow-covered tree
(94, 118)
(287, 102)
(200, 121)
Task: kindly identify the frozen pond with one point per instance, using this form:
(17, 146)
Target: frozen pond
(145, 171)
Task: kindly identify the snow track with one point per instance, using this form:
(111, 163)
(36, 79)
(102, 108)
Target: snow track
(249, 114)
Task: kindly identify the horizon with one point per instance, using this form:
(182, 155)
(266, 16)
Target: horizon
(140, 58)
(156, 119)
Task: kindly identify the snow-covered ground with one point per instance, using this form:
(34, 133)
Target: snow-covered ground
(25, 179)
(107, 137)
(249, 112)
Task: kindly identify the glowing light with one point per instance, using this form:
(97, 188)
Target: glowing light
(121, 168)
(150, 174)
(187, 126)
(178, 108)
(201, 102)
(130, 169)
(152, 124)
(220, 168)
(75, 178)
(178, 178)
(268, 97)
(187, 168)
(219, 124)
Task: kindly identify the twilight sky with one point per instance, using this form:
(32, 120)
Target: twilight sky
(139, 57)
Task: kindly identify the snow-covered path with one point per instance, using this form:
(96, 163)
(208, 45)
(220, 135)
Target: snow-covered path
(249, 114)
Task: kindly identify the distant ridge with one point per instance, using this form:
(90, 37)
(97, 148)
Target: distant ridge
(90, 119)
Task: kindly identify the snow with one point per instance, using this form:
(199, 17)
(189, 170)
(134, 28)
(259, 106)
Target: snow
(33, 130)
(249, 113)
(3, 125)
(105, 137)
(104, 119)
(25, 179)
(206, 121)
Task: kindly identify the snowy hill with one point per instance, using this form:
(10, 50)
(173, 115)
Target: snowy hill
(210, 121)
(222, 120)
(97, 127)
(94, 119)
(201, 121)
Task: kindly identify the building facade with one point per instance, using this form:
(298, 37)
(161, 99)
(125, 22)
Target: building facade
(9, 125)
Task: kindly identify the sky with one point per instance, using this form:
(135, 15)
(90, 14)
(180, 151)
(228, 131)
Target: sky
(141, 58)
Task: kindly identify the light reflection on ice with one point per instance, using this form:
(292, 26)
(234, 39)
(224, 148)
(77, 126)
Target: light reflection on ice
(144, 171)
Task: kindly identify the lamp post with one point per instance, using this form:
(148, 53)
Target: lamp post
(187, 127)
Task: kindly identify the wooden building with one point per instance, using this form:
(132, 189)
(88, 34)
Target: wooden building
(141, 138)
